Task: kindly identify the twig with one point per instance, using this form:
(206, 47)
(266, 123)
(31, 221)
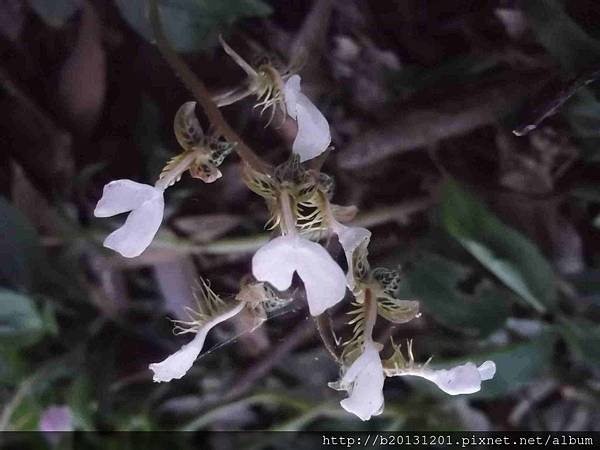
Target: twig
(201, 94)
(422, 126)
(551, 106)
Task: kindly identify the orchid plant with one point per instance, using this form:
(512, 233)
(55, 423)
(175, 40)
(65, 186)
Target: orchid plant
(299, 200)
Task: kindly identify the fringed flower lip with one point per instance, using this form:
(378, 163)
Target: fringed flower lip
(324, 280)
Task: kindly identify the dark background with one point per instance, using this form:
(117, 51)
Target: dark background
(498, 235)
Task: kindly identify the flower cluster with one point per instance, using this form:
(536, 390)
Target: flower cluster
(299, 200)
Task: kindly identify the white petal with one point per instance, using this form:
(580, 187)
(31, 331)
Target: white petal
(120, 196)
(291, 90)
(139, 229)
(274, 262)
(463, 379)
(177, 365)
(324, 281)
(367, 379)
(314, 135)
(487, 370)
(350, 239)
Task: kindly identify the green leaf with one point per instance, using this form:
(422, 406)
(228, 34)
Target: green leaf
(20, 323)
(20, 249)
(191, 25)
(55, 12)
(560, 35)
(510, 256)
(583, 339)
(435, 283)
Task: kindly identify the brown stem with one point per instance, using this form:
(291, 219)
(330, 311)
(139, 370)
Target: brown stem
(198, 89)
(325, 329)
(371, 314)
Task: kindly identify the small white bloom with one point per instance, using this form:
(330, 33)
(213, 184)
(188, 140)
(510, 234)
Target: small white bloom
(177, 365)
(351, 239)
(324, 281)
(314, 135)
(463, 379)
(146, 204)
(364, 381)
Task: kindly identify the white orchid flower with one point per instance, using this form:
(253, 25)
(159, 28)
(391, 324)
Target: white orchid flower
(177, 365)
(463, 379)
(146, 204)
(324, 281)
(281, 91)
(364, 378)
(201, 156)
(364, 381)
(314, 135)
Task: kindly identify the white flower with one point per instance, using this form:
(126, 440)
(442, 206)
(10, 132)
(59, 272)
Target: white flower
(146, 204)
(364, 381)
(177, 365)
(351, 238)
(314, 135)
(463, 379)
(324, 281)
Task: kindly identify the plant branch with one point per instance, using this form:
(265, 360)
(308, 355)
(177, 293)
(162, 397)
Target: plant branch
(198, 89)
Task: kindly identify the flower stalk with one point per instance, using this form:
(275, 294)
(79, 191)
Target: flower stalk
(201, 94)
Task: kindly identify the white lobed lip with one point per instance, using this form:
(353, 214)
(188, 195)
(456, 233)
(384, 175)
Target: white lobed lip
(324, 281)
(146, 206)
(364, 381)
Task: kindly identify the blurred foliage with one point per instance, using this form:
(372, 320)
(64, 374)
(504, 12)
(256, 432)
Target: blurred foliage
(55, 12)
(435, 281)
(192, 25)
(79, 326)
(506, 253)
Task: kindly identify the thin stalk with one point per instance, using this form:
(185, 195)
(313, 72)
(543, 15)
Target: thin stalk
(325, 329)
(288, 218)
(370, 315)
(198, 89)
